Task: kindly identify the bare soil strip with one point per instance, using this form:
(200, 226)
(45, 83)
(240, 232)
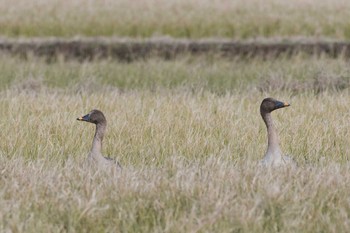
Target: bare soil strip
(132, 49)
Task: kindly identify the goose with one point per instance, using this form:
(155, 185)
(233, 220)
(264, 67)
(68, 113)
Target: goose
(95, 156)
(273, 155)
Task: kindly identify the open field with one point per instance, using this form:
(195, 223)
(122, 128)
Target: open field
(188, 134)
(186, 130)
(238, 19)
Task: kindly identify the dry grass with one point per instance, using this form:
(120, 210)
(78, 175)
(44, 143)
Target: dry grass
(233, 19)
(183, 196)
(189, 151)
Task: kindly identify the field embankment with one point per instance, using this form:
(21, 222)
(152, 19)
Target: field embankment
(133, 49)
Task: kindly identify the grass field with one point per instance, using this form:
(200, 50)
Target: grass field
(188, 134)
(238, 19)
(187, 131)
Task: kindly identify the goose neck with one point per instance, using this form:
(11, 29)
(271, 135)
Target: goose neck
(273, 148)
(98, 138)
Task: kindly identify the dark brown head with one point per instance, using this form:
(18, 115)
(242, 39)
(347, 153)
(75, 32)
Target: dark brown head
(270, 104)
(95, 117)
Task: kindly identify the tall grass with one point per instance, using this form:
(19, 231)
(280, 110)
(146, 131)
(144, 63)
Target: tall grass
(191, 19)
(146, 128)
(188, 134)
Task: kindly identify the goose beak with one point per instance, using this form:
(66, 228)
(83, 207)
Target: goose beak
(280, 104)
(83, 118)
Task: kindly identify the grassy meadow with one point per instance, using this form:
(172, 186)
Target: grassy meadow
(187, 131)
(189, 136)
(239, 19)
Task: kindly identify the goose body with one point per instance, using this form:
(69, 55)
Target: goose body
(273, 155)
(95, 156)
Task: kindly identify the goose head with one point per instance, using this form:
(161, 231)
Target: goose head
(95, 117)
(270, 104)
